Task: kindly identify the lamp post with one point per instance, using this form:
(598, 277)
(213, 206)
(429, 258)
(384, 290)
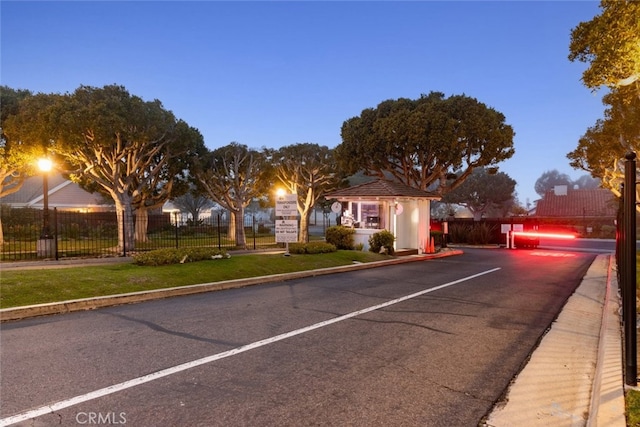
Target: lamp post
(45, 243)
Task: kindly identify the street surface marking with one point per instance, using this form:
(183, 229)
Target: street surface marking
(553, 254)
(50, 409)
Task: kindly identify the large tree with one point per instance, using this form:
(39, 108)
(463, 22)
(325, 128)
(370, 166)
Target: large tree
(16, 157)
(167, 175)
(309, 171)
(421, 142)
(192, 203)
(484, 192)
(109, 139)
(233, 176)
(550, 179)
(602, 148)
(610, 45)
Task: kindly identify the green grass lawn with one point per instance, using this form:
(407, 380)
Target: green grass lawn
(26, 287)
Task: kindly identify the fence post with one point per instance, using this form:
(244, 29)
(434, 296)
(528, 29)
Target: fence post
(55, 232)
(175, 220)
(219, 237)
(629, 303)
(253, 227)
(124, 235)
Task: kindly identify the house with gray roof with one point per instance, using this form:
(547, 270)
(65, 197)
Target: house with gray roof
(63, 195)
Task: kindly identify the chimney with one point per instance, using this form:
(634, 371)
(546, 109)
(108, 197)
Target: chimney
(560, 190)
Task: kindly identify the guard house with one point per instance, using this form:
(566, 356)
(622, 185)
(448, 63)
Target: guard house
(389, 205)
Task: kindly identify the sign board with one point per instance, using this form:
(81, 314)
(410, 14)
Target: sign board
(286, 230)
(286, 205)
(505, 228)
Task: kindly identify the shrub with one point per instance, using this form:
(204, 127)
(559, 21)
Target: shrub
(459, 233)
(311, 248)
(382, 239)
(481, 234)
(341, 237)
(437, 237)
(177, 256)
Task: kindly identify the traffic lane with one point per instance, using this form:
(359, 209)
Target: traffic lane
(461, 304)
(352, 381)
(107, 346)
(587, 245)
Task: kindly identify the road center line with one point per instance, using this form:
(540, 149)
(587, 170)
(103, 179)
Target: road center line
(49, 409)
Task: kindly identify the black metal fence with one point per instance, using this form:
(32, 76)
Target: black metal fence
(489, 230)
(95, 234)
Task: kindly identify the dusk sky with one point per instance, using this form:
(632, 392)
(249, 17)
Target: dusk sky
(268, 74)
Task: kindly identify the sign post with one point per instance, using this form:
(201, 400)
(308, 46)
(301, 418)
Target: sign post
(286, 229)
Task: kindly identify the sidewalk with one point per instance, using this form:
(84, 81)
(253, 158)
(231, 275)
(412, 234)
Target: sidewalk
(574, 377)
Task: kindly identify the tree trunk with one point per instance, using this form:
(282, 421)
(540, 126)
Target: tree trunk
(1, 233)
(241, 240)
(303, 237)
(231, 229)
(142, 224)
(305, 213)
(124, 213)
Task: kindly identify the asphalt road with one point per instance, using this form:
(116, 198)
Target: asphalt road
(582, 245)
(425, 343)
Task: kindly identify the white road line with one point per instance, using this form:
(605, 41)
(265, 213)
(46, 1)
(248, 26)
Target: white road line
(49, 409)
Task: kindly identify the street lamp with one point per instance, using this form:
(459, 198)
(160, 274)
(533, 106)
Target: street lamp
(46, 242)
(45, 166)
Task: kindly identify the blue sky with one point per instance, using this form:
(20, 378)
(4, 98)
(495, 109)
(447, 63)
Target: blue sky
(268, 74)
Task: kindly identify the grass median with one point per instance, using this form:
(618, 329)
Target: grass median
(27, 287)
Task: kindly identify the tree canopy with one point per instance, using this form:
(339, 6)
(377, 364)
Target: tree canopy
(17, 156)
(550, 179)
(233, 176)
(602, 148)
(483, 192)
(109, 140)
(308, 170)
(610, 43)
(420, 142)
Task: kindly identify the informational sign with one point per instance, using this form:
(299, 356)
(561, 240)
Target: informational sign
(286, 205)
(336, 207)
(505, 228)
(286, 230)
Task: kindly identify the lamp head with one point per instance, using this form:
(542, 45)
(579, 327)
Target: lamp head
(45, 164)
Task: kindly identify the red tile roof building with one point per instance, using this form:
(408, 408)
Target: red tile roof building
(566, 202)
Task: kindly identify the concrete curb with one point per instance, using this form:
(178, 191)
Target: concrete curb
(607, 399)
(17, 313)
